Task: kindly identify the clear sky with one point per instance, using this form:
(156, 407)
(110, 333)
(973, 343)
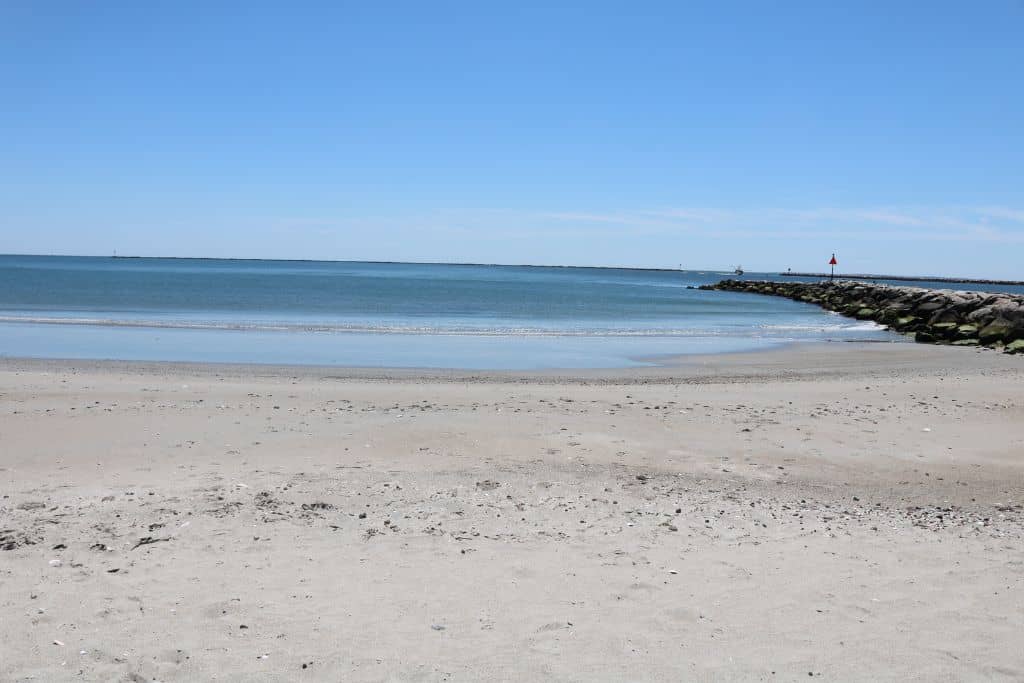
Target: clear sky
(636, 133)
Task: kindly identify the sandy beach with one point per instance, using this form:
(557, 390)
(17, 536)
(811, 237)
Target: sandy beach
(836, 512)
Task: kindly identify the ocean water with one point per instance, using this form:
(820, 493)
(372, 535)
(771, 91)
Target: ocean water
(388, 314)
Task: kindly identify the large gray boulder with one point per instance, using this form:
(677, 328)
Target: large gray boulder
(1000, 330)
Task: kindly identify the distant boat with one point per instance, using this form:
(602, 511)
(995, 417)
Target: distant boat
(738, 271)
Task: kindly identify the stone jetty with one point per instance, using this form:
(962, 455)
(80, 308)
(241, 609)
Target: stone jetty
(933, 316)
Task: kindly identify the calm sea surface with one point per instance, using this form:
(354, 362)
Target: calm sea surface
(387, 314)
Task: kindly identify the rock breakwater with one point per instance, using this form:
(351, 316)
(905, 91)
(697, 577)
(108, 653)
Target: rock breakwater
(933, 316)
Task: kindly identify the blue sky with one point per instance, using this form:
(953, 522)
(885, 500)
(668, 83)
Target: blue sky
(641, 134)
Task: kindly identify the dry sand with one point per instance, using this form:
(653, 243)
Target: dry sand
(850, 512)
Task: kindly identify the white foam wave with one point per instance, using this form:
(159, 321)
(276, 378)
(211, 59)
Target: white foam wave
(855, 326)
(781, 331)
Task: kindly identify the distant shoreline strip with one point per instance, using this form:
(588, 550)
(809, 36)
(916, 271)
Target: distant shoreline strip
(907, 278)
(700, 271)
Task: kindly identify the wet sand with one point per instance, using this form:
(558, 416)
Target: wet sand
(842, 512)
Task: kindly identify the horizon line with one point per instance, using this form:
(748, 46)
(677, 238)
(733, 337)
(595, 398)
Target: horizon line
(775, 273)
(373, 261)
